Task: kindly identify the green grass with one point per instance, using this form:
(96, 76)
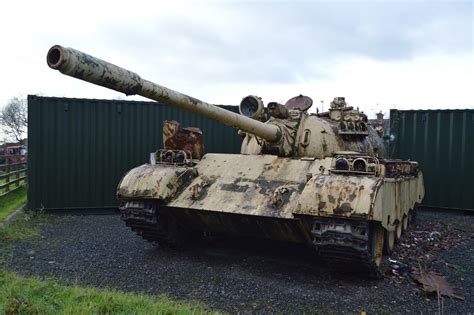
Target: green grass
(20, 229)
(19, 295)
(12, 201)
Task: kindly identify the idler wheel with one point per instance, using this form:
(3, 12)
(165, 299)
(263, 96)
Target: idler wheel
(405, 222)
(377, 241)
(399, 230)
(412, 215)
(389, 243)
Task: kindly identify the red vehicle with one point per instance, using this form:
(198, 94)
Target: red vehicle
(20, 153)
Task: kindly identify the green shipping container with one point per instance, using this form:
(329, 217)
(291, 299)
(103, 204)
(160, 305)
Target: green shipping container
(79, 149)
(442, 141)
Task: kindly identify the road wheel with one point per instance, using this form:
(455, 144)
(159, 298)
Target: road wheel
(170, 233)
(389, 243)
(377, 241)
(405, 222)
(412, 215)
(399, 230)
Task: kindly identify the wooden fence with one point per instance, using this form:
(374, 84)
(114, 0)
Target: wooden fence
(13, 173)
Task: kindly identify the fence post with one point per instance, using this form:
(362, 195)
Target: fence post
(17, 168)
(7, 172)
(13, 171)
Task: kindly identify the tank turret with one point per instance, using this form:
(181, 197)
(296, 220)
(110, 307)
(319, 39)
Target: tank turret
(284, 130)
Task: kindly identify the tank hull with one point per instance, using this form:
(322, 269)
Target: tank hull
(240, 195)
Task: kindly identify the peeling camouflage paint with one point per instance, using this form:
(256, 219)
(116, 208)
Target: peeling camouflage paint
(94, 70)
(161, 182)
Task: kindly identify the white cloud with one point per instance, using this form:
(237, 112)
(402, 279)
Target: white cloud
(429, 82)
(397, 53)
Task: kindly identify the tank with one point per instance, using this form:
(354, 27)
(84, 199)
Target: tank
(322, 180)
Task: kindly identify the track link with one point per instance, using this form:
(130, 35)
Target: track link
(143, 218)
(351, 245)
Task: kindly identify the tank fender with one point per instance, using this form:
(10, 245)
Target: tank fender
(386, 200)
(155, 181)
(339, 196)
(396, 197)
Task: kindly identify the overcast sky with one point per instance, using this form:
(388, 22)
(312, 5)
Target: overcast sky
(378, 54)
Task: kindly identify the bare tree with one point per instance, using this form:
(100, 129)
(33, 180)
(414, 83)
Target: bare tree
(14, 119)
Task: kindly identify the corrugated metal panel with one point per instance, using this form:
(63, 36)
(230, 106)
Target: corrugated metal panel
(79, 149)
(442, 141)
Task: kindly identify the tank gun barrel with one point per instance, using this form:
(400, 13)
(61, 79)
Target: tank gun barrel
(82, 66)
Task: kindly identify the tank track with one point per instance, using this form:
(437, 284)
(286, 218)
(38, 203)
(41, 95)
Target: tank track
(346, 244)
(143, 219)
(343, 243)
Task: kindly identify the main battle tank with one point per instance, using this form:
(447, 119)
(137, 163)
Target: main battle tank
(318, 179)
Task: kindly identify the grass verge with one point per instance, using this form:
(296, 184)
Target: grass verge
(22, 228)
(19, 295)
(12, 201)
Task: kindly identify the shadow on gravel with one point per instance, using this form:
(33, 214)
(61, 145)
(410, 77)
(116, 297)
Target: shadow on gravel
(272, 257)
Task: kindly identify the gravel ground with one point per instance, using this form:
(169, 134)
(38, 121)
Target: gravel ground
(235, 276)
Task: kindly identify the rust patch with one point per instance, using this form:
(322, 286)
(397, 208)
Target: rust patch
(188, 139)
(199, 190)
(300, 102)
(277, 198)
(399, 168)
(276, 162)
